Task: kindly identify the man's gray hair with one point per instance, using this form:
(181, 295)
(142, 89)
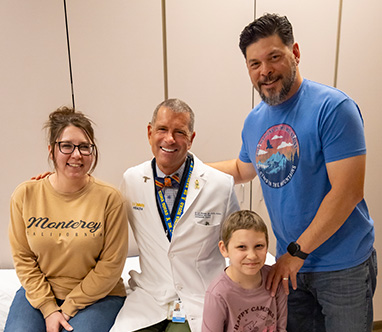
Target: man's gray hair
(177, 106)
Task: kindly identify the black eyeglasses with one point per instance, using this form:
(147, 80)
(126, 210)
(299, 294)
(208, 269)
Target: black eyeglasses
(86, 149)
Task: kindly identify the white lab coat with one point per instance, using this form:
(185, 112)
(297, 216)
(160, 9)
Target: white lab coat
(185, 267)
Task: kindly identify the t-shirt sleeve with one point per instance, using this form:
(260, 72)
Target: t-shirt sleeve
(342, 132)
(244, 153)
(214, 313)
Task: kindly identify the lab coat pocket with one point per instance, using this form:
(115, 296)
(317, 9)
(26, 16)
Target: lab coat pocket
(207, 219)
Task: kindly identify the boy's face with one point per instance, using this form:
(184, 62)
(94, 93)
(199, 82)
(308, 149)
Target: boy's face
(247, 251)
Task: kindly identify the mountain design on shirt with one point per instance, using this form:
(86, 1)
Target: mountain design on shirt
(277, 155)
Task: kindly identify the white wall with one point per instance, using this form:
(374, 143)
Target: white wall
(117, 61)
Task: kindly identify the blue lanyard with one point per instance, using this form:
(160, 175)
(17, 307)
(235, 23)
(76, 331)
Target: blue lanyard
(170, 224)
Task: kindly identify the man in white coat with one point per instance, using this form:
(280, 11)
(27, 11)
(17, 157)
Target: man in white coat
(176, 222)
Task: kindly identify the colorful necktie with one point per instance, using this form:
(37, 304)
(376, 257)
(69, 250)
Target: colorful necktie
(168, 181)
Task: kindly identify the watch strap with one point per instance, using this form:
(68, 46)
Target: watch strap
(294, 250)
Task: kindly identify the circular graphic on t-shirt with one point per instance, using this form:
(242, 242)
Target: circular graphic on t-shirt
(277, 155)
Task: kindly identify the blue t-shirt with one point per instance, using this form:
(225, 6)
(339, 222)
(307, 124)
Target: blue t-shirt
(289, 145)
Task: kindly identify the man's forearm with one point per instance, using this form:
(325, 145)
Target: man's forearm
(347, 179)
(241, 172)
(331, 215)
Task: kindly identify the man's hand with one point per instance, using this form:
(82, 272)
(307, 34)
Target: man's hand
(285, 268)
(41, 176)
(55, 320)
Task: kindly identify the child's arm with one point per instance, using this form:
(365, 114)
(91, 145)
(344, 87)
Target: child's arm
(282, 309)
(214, 313)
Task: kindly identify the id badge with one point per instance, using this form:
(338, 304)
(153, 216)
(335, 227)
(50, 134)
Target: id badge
(176, 312)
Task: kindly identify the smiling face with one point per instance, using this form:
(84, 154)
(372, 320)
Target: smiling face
(247, 251)
(74, 166)
(273, 69)
(170, 139)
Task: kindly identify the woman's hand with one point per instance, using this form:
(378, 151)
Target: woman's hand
(41, 176)
(67, 317)
(56, 320)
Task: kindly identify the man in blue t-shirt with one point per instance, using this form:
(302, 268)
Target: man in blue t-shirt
(306, 143)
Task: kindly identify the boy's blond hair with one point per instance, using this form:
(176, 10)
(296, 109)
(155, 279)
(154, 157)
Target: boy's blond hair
(244, 219)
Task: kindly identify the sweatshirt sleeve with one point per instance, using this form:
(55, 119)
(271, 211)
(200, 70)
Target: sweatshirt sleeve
(37, 288)
(101, 279)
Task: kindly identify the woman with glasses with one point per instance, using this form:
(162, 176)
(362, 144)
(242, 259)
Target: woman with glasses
(68, 234)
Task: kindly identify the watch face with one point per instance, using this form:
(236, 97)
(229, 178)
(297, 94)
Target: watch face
(293, 248)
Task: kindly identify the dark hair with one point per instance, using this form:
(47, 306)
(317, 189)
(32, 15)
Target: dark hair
(244, 219)
(64, 117)
(266, 26)
(177, 106)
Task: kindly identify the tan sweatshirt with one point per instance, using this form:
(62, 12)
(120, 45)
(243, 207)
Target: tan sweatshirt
(68, 246)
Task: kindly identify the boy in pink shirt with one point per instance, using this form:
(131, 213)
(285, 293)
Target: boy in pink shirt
(237, 300)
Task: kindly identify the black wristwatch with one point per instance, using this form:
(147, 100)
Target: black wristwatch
(294, 250)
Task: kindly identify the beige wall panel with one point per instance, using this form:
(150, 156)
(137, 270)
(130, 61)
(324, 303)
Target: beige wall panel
(359, 76)
(118, 76)
(243, 194)
(207, 70)
(34, 80)
(117, 62)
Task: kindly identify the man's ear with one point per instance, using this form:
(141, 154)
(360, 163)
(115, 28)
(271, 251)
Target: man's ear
(149, 131)
(191, 140)
(296, 53)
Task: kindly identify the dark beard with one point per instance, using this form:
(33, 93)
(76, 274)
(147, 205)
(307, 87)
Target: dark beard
(287, 83)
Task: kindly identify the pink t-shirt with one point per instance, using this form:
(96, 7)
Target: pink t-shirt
(230, 308)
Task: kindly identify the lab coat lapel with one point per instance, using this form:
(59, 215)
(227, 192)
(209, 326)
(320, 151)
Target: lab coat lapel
(153, 213)
(197, 182)
(148, 185)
